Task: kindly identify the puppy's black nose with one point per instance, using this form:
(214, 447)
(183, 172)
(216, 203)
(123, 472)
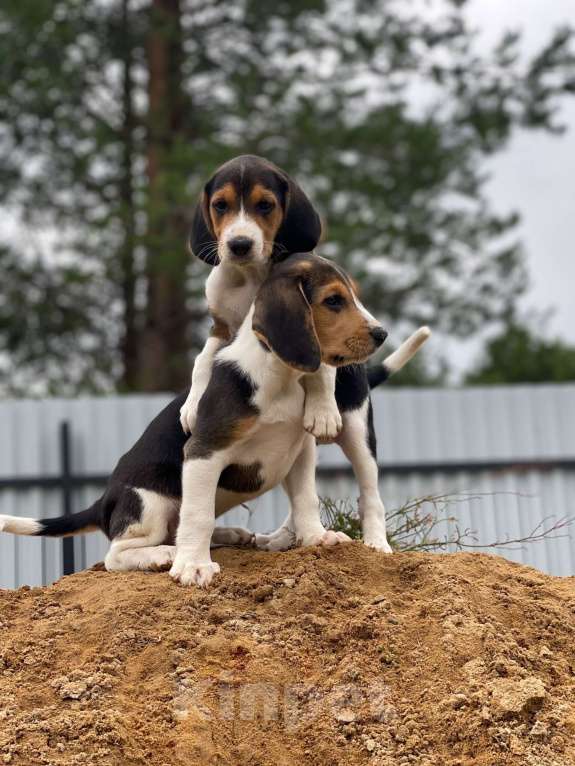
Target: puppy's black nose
(240, 245)
(378, 334)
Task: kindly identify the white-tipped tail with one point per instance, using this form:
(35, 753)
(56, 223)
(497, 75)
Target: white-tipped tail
(407, 350)
(19, 526)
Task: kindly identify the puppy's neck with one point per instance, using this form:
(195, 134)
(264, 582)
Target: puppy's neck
(254, 358)
(236, 275)
(231, 290)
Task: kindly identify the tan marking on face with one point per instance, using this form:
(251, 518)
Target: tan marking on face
(219, 221)
(344, 333)
(270, 222)
(337, 287)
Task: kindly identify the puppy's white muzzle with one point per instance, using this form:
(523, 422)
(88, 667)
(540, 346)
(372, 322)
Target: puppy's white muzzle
(242, 241)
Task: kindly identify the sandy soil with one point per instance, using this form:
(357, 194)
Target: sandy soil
(319, 657)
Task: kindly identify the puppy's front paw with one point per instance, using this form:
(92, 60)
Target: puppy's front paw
(322, 420)
(378, 541)
(327, 538)
(189, 572)
(330, 538)
(188, 413)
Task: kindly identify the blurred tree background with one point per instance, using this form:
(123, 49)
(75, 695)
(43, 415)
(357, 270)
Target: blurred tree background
(521, 354)
(112, 112)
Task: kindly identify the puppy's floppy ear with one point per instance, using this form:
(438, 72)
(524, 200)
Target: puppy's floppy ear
(203, 243)
(283, 321)
(300, 230)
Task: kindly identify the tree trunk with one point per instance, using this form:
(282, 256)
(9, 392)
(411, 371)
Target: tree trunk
(130, 341)
(163, 358)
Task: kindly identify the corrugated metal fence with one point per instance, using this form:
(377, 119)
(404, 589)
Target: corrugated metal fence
(512, 448)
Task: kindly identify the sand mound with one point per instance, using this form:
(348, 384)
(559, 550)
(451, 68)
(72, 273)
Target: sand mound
(313, 656)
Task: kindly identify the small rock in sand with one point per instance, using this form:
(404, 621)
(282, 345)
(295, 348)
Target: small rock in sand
(511, 698)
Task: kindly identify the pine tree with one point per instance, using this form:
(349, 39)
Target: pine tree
(113, 113)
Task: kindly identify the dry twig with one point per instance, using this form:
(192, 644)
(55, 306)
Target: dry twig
(416, 525)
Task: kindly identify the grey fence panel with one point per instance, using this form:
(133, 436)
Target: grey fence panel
(24, 452)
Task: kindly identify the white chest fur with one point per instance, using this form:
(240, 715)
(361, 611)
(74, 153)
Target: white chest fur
(274, 448)
(277, 437)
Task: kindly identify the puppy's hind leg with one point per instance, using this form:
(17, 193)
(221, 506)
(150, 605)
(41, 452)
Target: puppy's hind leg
(140, 526)
(300, 487)
(357, 440)
(281, 540)
(232, 536)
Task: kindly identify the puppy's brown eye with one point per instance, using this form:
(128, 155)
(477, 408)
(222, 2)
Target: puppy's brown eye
(220, 206)
(265, 206)
(335, 301)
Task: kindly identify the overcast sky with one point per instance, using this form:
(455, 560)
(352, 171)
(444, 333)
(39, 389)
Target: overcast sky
(536, 175)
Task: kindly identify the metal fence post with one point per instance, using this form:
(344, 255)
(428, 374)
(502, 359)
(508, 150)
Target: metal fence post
(68, 561)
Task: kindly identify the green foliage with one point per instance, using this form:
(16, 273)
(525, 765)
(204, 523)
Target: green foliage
(428, 524)
(421, 524)
(341, 516)
(44, 312)
(520, 355)
(384, 114)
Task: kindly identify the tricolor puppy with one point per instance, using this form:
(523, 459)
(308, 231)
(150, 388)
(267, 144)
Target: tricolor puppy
(248, 436)
(250, 215)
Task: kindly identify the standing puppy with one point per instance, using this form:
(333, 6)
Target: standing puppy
(251, 214)
(305, 314)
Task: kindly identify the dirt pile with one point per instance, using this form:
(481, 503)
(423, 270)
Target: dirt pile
(340, 656)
